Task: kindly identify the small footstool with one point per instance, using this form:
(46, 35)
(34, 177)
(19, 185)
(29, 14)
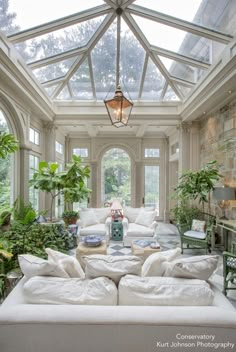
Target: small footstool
(143, 251)
(82, 249)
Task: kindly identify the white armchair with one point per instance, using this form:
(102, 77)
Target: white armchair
(95, 221)
(138, 223)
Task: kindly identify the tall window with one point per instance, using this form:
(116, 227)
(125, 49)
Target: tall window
(59, 147)
(83, 152)
(116, 176)
(33, 193)
(5, 170)
(151, 186)
(34, 136)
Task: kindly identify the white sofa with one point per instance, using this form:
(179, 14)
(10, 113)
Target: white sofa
(138, 223)
(59, 328)
(95, 221)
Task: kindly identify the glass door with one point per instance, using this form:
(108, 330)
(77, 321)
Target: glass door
(151, 186)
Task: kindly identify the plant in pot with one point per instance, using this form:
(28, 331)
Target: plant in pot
(70, 217)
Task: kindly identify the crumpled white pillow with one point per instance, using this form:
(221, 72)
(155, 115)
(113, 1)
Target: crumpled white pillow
(70, 264)
(153, 265)
(34, 266)
(53, 290)
(88, 217)
(197, 267)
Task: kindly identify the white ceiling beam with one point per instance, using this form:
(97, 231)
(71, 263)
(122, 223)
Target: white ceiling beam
(51, 82)
(143, 75)
(70, 90)
(178, 57)
(111, 4)
(60, 23)
(91, 44)
(141, 130)
(180, 24)
(127, 3)
(57, 58)
(183, 82)
(164, 91)
(91, 75)
(146, 45)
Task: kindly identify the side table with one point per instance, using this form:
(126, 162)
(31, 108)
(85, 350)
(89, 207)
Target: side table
(117, 231)
(82, 249)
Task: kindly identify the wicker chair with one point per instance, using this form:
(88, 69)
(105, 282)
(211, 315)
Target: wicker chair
(229, 268)
(201, 240)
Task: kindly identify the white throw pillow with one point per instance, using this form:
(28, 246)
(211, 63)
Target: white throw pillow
(110, 266)
(70, 264)
(88, 218)
(198, 267)
(34, 266)
(131, 213)
(153, 265)
(52, 290)
(102, 214)
(145, 218)
(163, 291)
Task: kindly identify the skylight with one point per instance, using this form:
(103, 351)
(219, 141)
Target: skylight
(166, 46)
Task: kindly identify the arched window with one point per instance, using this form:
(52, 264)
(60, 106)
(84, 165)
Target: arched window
(5, 170)
(116, 176)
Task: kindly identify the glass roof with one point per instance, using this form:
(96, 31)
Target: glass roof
(156, 50)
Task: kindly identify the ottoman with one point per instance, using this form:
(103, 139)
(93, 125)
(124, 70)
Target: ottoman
(82, 249)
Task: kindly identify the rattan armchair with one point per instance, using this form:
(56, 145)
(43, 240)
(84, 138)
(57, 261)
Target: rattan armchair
(188, 242)
(229, 268)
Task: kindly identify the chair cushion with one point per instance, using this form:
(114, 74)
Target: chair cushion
(110, 266)
(88, 217)
(197, 267)
(145, 218)
(34, 266)
(198, 225)
(135, 230)
(195, 234)
(163, 291)
(98, 229)
(70, 264)
(153, 264)
(53, 290)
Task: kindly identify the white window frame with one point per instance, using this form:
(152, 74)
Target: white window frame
(36, 136)
(59, 147)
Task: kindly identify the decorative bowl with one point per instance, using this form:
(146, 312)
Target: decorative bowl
(92, 240)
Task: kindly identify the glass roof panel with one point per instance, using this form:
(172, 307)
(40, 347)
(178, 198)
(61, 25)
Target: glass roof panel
(80, 83)
(58, 41)
(170, 95)
(104, 63)
(51, 89)
(183, 71)
(28, 15)
(184, 90)
(53, 71)
(204, 13)
(64, 94)
(153, 83)
(175, 39)
(132, 57)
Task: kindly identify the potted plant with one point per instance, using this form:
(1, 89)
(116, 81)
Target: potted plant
(70, 217)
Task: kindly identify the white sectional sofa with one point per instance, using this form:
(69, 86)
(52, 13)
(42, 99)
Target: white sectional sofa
(83, 328)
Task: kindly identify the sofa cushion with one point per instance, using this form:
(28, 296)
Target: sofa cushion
(145, 218)
(110, 266)
(135, 230)
(131, 213)
(197, 267)
(163, 291)
(88, 217)
(195, 234)
(102, 214)
(153, 264)
(70, 264)
(98, 229)
(33, 266)
(52, 290)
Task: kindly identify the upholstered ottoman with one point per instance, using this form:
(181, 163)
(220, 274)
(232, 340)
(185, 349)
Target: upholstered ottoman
(82, 249)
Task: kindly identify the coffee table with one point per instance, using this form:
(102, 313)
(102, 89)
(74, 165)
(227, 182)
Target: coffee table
(143, 251)
(82, 249)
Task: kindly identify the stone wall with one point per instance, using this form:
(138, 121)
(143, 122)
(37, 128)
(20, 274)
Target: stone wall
(215, 129)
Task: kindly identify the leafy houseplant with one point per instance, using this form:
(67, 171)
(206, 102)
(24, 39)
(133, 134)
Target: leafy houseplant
(8, 144)
(70, 217)
(71, 182)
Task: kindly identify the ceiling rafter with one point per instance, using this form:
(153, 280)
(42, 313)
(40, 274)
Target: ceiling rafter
(146, 45)
(57, 58)
(53, 81)
(182, 81)
(179, 57)
(180, 24)
(127, 3)
(91, 76)
(143, 75)
(60, 23)
(164, 90)
(111, 3)
(70, 90)
(91, 44)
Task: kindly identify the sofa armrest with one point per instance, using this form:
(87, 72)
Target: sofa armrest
(125, 223)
